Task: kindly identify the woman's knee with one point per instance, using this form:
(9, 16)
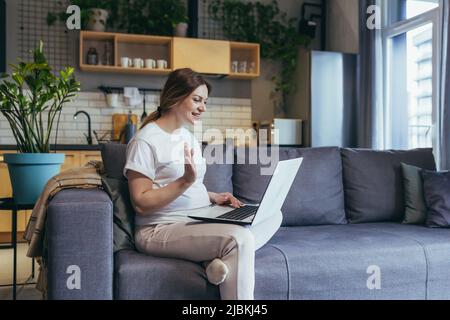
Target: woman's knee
(242, 237)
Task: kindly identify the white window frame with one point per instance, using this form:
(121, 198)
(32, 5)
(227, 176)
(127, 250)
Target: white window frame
(390, 31)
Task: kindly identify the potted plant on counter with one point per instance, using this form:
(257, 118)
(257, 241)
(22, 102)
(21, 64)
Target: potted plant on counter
(31, 99)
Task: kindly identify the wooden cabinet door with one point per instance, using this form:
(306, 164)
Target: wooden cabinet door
(6, 192)
(204, 56)
(71, 160)
(86, 156)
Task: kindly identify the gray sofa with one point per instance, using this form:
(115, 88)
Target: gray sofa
(341, 237)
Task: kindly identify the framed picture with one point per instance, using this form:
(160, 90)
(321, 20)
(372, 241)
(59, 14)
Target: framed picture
(2, 36)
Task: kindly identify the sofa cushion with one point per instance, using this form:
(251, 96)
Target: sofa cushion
(436, 250)
(436, 186)
(373, 182)
(219, 167)
(316, 196)
(415, 206)
(123, 212)
(344, 262)
(315, 262)
(140, 276)
(114, 158)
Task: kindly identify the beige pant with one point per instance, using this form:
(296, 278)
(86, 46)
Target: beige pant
(198, 242)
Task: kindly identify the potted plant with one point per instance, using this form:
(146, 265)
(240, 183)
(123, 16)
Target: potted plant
(31, 99)
(180, 29)
(96, 15)
(179, 19)
(156, 17)
(97, 19)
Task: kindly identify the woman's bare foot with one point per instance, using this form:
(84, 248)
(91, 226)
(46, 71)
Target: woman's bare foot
(216, 271)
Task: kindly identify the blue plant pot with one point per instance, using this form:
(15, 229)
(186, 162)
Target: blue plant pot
(29, 173)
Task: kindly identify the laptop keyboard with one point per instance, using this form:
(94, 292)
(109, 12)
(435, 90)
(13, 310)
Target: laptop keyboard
(239, 213)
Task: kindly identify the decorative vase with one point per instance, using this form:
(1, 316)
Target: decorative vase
(97, 20)
(181, 29)
(30, 172)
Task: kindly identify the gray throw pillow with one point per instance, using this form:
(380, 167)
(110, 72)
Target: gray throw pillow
(219, 169)
(436, 186)
(373, 182)
(123, 212)
(316, 196)
(114, 158)
(415, 206)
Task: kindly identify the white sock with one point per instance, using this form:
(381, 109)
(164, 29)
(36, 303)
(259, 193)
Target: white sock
(216, 271)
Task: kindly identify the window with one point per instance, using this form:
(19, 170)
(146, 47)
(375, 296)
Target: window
(411, 50)
(400, 10)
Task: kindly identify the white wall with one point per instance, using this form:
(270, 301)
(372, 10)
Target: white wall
(223, 113)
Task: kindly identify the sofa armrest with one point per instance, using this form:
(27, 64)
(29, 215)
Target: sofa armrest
(79, 235)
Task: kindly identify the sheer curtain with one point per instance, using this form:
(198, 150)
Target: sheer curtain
(370, 73)
(445, 88)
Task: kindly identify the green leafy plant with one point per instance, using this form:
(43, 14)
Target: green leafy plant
(178, 12)
(33, 99)
(157, 17)
(267, 25)
(112, 6)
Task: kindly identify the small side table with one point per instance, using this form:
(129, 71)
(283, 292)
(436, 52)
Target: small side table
(9, 204)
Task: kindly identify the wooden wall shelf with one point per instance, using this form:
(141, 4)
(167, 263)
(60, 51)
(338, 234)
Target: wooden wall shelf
(93, 68)
(124, 45)
(249, 53)
(202, 55)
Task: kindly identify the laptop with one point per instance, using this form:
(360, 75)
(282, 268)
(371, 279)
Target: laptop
(250, 214)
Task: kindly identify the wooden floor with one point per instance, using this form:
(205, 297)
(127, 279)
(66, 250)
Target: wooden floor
(24, 292)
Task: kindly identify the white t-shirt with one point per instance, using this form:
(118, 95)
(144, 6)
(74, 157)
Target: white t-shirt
(159, 156)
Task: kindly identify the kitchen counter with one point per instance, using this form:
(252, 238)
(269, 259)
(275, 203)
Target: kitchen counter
(98, 147)
(61, 147)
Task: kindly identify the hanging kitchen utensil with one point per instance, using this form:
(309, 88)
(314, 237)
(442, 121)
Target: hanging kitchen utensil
(119, 122)
(130, 129)
(144, 113)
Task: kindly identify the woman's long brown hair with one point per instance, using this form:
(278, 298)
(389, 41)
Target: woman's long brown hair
(180, 84)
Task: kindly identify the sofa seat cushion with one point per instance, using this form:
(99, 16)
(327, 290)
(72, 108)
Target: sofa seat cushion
(139, 276)
(319, 262)
(142, 277)
(332, 262)
(316, 196)
(436, 248)
(373, 182)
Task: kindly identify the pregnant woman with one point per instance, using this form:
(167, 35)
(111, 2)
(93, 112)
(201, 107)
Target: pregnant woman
(165, 170)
